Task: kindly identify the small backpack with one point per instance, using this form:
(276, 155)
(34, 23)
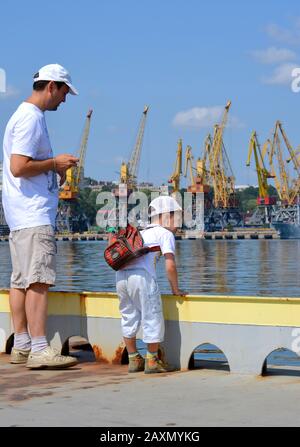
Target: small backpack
(126, 245)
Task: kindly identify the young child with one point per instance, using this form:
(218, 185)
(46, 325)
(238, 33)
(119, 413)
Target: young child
(140, 300)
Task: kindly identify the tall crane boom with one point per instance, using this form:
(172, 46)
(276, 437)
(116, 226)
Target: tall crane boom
(175, 177)
(189, 163)
(129, 171)
(262, 173)
(83, 148)
(218, 134)
(222, 181)
(74, 175)
(201, 165)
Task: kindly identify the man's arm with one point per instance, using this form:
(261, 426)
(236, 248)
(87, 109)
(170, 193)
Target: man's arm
(172, 275)
(23, 166)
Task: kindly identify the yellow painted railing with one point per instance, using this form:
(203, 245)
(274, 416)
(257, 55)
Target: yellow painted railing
(260, 311)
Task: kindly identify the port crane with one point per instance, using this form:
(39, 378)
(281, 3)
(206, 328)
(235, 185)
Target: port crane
(262, 173)
(198, 184)
(198, 180)
(175, 177)
(74, 175)
(265, 202)
(220, 170)
(129, 171)
(224, 212)
(67, 219)
(202, 162)
(288, 188)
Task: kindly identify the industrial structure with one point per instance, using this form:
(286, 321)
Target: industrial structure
(129, 170)
(265, 202)
(213, 177)
(128, 179)
(224, 212)
(283, 159)
(198, 174)
(287, 185)
(68, 218)
(174, 179)
(219, 166)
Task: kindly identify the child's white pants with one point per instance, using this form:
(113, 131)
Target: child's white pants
(140, 305)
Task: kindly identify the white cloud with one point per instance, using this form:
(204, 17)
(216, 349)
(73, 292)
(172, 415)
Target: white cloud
(273, 55)
(290, 36)
(10, 92)
(281, 75)
(199, 117)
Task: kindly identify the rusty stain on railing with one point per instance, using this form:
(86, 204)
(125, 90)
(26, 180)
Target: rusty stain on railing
(117, 360)
(99, 354)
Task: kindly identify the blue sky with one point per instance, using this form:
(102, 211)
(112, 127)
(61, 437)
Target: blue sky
(183, 58)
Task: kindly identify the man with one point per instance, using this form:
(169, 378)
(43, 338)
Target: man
(30, 198)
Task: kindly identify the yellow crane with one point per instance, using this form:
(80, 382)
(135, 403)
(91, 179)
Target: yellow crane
(201, 165)
(262, 173)
(198, 180)
(288, 188)
(219, 166)
(70, 189)
(129, 171)
(175, 177)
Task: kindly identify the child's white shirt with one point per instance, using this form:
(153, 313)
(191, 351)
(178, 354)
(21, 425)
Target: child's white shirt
(154, 235)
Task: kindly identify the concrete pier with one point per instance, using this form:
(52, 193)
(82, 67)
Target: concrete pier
(248, 233)
(94, 394)
(99, 392)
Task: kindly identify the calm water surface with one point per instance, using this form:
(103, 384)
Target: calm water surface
(242, 267)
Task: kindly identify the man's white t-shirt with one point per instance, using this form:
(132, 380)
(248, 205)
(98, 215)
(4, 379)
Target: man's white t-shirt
(32, 201)
(153, 236)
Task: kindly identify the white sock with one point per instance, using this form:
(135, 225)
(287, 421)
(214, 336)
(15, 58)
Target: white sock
(22, 341)
(39, 344)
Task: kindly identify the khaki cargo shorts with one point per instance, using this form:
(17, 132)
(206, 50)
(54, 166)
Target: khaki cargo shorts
(33, 252)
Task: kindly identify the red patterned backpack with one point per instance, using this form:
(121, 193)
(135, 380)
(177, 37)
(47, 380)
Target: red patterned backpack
(127, 244)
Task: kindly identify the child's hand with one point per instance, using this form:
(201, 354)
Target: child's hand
(179, 292)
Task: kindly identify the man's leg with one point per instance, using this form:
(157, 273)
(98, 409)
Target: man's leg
(41, 356)
(17, 296)
(17, 306)
(36, 305)
(22, 341)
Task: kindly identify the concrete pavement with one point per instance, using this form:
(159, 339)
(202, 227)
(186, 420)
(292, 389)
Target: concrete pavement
(99, 395)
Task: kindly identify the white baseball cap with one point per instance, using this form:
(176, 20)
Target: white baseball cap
(57, 73)
(163, 204)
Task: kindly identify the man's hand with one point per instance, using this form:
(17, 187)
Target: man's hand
(23, 166)
(64, 161)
